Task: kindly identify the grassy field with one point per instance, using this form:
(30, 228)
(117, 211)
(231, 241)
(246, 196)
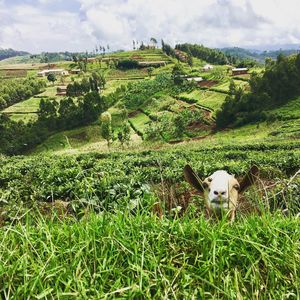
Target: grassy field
(140, 121)
(30, 105)
(122, 256)
(89, 138)
(224, 86)
(206, 98)
(112, 85)
(110, 244)
(82, 140)
(17, 60)
(70, 139)
(127, 74)
(26, 110)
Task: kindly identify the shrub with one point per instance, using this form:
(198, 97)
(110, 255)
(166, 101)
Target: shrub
(128, 64)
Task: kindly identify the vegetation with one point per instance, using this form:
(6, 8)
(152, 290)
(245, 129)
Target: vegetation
(206, 54)
(260, 56)
(278, 85)
(16, 90)
(17, 137)
(128, 64)
(51, 77)
(173, 126)
(95, 83)
(114, 217)
(210, 99)
(139, 256)
(139, 93)
(6, 53)
(106, 130)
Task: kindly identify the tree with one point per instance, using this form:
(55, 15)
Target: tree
(51, 77)
(124, 134)
(85, 85)
(142, 47)
(179, 126)
(75, 58)
(269, 62)
(126, 64)
(153, 41)
(97, 81)
(106, 129)
(190, 60)
(178, 73)
(91, 106)
(167, 49)
(47, 112)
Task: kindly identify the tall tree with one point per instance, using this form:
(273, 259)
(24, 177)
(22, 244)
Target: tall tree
(124, 134)
(153, 41)
(106, 128)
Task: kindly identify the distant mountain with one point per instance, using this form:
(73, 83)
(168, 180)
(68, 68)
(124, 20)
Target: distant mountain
(257, 55)
(7, 53)
(276, 47)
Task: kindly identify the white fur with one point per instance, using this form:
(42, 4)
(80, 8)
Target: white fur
(219, 189)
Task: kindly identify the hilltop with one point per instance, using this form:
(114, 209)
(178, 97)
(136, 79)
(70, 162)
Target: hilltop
(7, 53)
(257, 55)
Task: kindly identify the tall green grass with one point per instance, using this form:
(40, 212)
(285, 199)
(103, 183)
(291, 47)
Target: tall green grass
(139, 256)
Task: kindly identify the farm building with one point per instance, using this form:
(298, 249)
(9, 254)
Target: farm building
(207, 68)
(61, 91)
(92, 59)
(152, 63)
(75, 71)
(239, 71)
(196, 79)
(53, 71)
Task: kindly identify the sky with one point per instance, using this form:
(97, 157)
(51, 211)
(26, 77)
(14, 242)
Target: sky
(79, 25)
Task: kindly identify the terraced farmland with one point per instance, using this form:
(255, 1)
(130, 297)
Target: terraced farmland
(210, 99)
(139, 122)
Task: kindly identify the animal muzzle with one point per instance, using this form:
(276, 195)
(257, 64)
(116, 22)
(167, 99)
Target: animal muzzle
(219, 201)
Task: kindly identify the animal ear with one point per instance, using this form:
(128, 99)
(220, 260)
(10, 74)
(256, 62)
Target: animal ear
(249, 178)
(192, 178)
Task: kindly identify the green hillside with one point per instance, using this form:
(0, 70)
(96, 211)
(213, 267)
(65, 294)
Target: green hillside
(8, 53)
(93, 198)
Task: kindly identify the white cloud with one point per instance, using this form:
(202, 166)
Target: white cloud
(61, 25)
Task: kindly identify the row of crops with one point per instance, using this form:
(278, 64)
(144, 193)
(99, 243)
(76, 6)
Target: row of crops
(110, 178)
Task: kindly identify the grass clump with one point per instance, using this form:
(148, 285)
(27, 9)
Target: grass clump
(138, 256)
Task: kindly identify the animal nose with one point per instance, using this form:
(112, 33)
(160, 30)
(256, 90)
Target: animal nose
(219, 193)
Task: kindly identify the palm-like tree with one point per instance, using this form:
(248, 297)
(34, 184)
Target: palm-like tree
(153, 41)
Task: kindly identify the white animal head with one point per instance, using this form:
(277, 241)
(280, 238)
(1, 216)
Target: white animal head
(221, 190)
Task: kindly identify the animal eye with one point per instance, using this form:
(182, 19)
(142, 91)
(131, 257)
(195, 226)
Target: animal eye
(205, 185)
(237, 186)
(209, 179)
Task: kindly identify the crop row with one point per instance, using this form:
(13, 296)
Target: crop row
(107, 178)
